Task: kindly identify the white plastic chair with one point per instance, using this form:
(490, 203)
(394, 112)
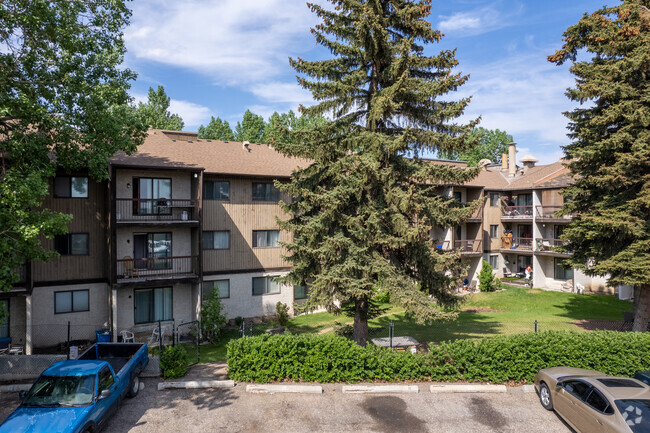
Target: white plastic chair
(127, 336)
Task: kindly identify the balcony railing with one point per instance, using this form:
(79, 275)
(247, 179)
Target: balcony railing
(548, 245)
(517, 212)
(512, 243)
(156, 267)
(549, 212)
(468, 246)
(145, 209)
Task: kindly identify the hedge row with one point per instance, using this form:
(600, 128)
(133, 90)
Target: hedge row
(499, 359)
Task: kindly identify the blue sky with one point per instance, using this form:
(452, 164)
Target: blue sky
(221, 57)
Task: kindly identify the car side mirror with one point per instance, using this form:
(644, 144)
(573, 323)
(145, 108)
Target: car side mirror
(559, 385)
(105, 394)
(22, 395)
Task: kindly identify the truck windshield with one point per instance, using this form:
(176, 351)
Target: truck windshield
(51, 391)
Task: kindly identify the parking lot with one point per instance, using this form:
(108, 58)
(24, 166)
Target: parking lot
(234, 410)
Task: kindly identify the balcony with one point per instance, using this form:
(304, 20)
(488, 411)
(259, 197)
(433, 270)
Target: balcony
(156, 268)
(547, 213)
(136, 211)
(476, 216)
(516, 213)
(547, 247)
(513, 245)
(469, 248)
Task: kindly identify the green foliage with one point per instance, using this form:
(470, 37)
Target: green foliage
(239, 320)
(155, 112)
(217, 129)
(280, 127)
(251, 128)
(486, 278)
(343, 329)
(354, 225)
(212, 321)
(374, 309)
(63, 101)
(173, 362)
(492, 144)
(500, 359)
(282, 314)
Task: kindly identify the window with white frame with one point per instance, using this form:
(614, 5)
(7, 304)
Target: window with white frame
(265, 286)
(216, 240)
(266, 238)
(71, 301)
(222, 286)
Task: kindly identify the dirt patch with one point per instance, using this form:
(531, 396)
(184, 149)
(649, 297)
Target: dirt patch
(481, 310)
(533, 291)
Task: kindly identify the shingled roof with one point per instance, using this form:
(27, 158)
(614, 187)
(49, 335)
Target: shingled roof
(178, 149)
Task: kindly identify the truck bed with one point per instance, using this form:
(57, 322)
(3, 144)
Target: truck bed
(116, 354)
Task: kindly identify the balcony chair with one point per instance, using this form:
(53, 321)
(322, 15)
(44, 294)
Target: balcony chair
(130, 271)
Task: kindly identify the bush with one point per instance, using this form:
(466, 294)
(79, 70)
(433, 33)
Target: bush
(343, 329)
(514, 358)
(212, 321)
(173, 362)
(486, 278)
(282, 314)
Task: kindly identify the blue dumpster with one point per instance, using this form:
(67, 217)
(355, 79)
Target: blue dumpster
(103, 335)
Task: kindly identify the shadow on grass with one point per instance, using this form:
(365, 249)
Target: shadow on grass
(593, 307)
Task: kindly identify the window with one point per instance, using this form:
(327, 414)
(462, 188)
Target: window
(70, 187)
(106, 379)
(216, 190)
(558, 231)
(577, 388)
(4, 325)
(223, 286)
(151, 194)
(494, 261)
(152, 305)
(71, 301)
(73, 244)
(300, 291)
(597, 401)
(458, 196)
(494, 230)
(219, 240)
(152, 250)
(265, 286)
(562, 273)
(523, 262)
(265, 192)
(265, 238)
(494, 199)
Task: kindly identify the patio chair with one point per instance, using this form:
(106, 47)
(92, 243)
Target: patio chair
(129, 270)
(16, 349)
(155, 335)
(507, 273)
(127, 336)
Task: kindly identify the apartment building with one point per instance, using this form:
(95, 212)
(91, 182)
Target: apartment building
(184, 216)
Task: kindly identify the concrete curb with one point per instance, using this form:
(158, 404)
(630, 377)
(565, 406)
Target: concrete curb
(380, 389)
(271, 389)
(15, 387)
(194, 384)
(528, 388)
(468, 388)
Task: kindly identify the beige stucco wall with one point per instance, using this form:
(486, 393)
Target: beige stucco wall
(17, 319)
(49, 329)
(243, 303)
(183, 304)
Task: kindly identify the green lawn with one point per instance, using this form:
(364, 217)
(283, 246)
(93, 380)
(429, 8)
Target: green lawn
(507, 312)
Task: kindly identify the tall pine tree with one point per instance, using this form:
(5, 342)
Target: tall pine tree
(610, 153)
(365, 210)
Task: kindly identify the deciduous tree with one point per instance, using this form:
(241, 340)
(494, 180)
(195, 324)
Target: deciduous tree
(364, 210)
(610, 152)
(155, 112)
(492, 144)
(251, 128)
(217, 129)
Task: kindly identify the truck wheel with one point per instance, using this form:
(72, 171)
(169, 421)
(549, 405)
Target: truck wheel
(134, 387)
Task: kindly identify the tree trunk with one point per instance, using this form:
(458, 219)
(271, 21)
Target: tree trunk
(641, 308)
(360, 334)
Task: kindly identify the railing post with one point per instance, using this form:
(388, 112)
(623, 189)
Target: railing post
(68, 343)
(391, 328)
(160, 337)
(535, 326)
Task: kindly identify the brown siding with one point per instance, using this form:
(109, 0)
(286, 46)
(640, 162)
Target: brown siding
(551, 197)
(241, 215)
(89, 216)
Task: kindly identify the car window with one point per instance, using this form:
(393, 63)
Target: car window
(598, 402)
(577, 388)
(636, 414)
(105, 379)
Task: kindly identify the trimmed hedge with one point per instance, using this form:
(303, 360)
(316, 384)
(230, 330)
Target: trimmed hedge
(498, 359)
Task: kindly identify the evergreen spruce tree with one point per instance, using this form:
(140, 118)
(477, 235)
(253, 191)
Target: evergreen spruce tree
(366, 205)
(609, 157)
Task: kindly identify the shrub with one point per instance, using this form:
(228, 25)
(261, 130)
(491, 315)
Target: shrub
(211, 318)
(486, 278)
(239, 320)
(173, 362)
(282, 314)
(343, 329)
(499, 359)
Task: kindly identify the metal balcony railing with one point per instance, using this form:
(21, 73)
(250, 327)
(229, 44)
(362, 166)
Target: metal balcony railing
(549, 212)
(517, 211)
(156, 267)
(518, 243)
(468, 246)
(144, 209)
(548, 245)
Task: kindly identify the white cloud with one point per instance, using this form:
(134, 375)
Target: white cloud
(233, 41)
(193, 115)
(477, 21)
(282, 92)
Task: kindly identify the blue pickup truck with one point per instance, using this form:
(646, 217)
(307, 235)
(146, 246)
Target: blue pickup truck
(78, 396)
